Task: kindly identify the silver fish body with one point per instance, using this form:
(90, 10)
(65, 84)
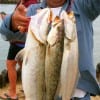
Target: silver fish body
(33, 74)
(69, 67)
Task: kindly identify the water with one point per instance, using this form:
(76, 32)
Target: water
(4, 45)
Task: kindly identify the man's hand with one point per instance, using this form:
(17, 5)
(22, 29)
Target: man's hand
(19, 19)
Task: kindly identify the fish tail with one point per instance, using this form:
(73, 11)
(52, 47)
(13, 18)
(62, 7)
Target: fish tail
(20, 55)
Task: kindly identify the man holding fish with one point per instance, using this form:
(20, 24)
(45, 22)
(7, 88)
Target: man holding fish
(85, 11)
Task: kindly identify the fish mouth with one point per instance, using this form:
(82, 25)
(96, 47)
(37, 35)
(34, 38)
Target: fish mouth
(69, 24)
(37, 38)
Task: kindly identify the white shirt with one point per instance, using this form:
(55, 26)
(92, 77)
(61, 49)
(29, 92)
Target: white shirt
(56, 11)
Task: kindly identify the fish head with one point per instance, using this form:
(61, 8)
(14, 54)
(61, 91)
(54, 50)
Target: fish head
(69, 24)
(56, 32)
(39, 25)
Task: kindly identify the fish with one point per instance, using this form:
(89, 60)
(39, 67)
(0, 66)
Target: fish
(50, 61)
(69, 69)
(53, 59)
(33, 66)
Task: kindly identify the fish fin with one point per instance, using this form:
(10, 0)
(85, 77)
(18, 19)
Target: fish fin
(20, 55)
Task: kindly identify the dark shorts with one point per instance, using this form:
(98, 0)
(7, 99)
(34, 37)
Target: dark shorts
(13, 50)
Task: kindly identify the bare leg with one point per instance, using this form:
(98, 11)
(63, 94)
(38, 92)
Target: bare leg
(12, 75)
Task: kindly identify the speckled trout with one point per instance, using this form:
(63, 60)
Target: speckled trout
(51, 57)
(33, 67)
(69, 68)
(53, 60)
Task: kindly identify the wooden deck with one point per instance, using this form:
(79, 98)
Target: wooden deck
(21, 94)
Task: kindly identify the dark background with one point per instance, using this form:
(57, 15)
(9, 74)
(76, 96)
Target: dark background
(8, 1)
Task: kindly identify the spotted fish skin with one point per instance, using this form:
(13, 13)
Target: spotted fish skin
(54, 52)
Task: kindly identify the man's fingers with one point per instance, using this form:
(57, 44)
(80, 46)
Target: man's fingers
(22, 9)
(23, 21)
(22, 29)
(19, 17)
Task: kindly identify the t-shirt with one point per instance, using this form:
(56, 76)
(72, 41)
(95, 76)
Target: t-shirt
(56, 11)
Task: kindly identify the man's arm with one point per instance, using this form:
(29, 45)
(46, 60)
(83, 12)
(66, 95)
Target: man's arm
(9, 28)
(8, 34)
(90, 7)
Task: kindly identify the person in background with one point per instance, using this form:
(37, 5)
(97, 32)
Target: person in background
(86, 11)
(2, 15)
(15, 47)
